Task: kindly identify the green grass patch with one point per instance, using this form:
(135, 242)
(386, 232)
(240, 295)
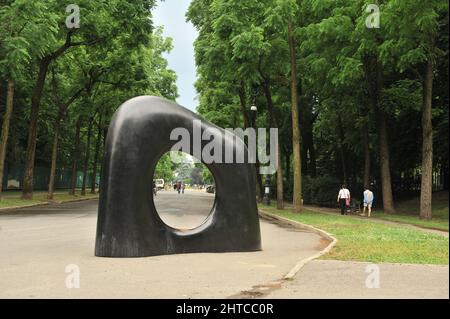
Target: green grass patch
(435, 223)
(12, 199)
(364, 240)
(17, 202)
(408, 212)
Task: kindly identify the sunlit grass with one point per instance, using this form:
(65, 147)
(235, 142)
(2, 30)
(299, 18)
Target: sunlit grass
(365, 240)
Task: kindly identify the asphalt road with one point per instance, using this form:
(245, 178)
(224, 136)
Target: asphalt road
(43, 248)
(184, 211)
(38, 245)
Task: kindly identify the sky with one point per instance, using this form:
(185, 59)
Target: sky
(171, 15)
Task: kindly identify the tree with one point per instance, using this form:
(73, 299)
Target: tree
(240, 41)
(21, 26)
(417, 49)
(59, 92)
(351, 53)
(95, 31)
(297, 196)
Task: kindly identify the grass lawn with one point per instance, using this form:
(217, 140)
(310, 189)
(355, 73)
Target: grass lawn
(12, 199)
(408, 212)
(364, 240)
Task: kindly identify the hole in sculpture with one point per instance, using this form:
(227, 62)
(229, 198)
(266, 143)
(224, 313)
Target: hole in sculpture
(184, 190)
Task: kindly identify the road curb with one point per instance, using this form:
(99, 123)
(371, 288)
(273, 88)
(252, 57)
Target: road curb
(8, 209)
(290, 223)
(73, 200)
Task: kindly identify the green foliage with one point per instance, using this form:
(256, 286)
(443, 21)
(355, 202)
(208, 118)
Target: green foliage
(178, 166)
(115, 55)
(321, 190)
(165, 168)
(242, 47)
(242, 54)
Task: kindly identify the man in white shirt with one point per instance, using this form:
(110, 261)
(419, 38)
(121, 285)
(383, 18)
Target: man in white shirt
(344, 199)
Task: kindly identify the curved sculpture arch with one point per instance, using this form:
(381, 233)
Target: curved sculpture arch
(128, 224)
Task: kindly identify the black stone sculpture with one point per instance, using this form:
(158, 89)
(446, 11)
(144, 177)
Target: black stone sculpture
(128, 224)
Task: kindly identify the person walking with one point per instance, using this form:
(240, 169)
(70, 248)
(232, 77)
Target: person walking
(344, 199)
(368, 202)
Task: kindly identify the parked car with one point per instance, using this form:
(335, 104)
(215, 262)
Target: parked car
(159, 184)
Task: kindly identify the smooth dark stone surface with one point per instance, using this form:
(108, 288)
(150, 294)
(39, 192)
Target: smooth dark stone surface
(128, 224)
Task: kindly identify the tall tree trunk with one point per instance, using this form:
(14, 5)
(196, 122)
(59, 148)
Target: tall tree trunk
(5, 128)
(96, 156)
(86, 158)
(76, 149)
(61, 112)
(388, 201)
(365, 139)
(287, 158)
(51, 184)
(27, 191)
(297, 192)
(342, 151)
(427, 145)
(274, 124)
(386, 184)
(374, 78)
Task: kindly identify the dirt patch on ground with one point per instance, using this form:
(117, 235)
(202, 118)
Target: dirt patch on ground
(323, 244)
(259, 291)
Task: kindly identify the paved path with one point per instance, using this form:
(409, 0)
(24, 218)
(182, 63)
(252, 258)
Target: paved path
(184, 211)
(36, 245)
(341, 279)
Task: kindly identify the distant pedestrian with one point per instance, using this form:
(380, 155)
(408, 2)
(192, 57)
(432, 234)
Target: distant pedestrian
(179, 187)
(368, 201)
(183, 186)
(344, 199)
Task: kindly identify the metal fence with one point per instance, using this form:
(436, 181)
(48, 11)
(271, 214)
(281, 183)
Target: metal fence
(13, 178)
